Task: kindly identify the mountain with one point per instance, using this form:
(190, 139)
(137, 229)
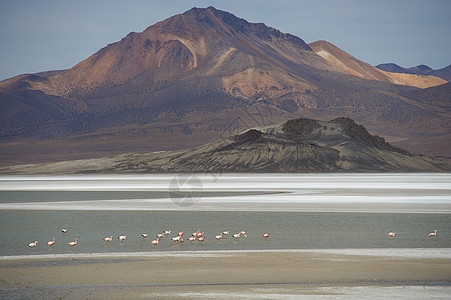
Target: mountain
(298, 145)
(196, 77)
(393, 68)
(347, 64)
(444, 73)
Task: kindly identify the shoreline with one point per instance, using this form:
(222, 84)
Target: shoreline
(429, 253)
(237, 274)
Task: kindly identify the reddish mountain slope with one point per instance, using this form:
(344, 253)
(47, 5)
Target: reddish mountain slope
(345, 63)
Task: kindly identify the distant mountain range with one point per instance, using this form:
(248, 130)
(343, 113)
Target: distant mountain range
(299, 145)
(444, 73)
(203, 75)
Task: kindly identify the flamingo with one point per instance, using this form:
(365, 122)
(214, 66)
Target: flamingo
(266, 235)
(176, 238)
(218, 237)
(225, 232)
(32, 245)
(236, 235)
(391, 234)
(144, 235)
(191, 239)
(108, 239)
(122, 237)
(50, 243)
(73, 243)
(181, 233)
(160, 235)
(64, 230)
(243, 233)
(433, 233)
(167, 232)
(201, 239)
(155, 242)
(181, 240)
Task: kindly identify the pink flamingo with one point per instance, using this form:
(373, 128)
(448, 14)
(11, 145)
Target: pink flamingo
(64, 230)
(218, 237)
(191, 239)
(122, 238)
(73, 243)
(226, 232)
(50, 243)
(243, 233)
(236, 235)
(433, 233)
(176, 238)
(32, 245)
(266, 235)
(160, 235)
(201, 239)
(181, 233)
(391, 234)
(155, 242)
(108, 239)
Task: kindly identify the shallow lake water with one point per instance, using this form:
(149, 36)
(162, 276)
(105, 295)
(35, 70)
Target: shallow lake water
(307, 211)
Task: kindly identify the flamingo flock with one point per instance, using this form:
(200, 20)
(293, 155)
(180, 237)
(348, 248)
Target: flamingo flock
(198, 236)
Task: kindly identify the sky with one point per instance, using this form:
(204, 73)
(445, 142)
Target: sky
(57, 34)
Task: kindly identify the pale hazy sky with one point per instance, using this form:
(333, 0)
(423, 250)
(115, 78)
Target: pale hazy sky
(56, 34)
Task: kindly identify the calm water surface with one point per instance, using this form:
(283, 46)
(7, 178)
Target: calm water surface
(94, 207)
(288, 230)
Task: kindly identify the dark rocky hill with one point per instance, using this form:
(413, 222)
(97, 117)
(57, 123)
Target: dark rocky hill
(298, 145)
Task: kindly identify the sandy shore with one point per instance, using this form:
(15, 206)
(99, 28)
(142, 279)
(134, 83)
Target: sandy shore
(281, 274)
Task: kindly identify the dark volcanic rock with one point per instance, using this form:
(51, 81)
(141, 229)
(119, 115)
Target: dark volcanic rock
(299, 145)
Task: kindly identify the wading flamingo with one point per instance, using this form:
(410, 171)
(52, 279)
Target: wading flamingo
(191, 239)
(167, 232)
(391, 234)
(32, 245)
(243, 233)
(218, 237)
(144, 235)
(64, 230)
(236, 235)
(433, 233)
(201, 239)
(73, 243)
(266, 235)
(181, 233)
(176, 238)
(160, 235)
(108, 239)
(226, 232)
(155, 242)
(50, 243)
(122, 237)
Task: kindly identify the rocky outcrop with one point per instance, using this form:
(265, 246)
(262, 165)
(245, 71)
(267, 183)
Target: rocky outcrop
(299, 145)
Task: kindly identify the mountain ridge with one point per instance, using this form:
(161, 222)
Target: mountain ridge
(444, 73)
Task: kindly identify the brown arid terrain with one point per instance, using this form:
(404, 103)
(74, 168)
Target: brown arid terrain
(345, 63)
(205, 75)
